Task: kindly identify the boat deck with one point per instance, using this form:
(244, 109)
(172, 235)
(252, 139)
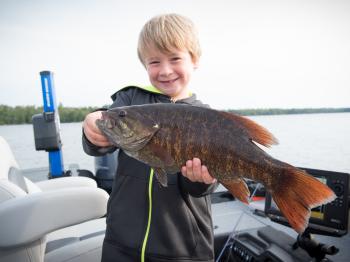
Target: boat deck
(232, 218)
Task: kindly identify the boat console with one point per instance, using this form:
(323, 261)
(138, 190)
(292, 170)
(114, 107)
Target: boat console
(330, 219)
(276, 242)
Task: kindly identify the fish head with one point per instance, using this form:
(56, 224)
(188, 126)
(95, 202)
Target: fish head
(127, 127)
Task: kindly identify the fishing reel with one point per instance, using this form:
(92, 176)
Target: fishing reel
(315, 249)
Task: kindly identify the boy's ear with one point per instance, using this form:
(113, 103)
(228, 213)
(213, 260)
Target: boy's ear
(195, 63)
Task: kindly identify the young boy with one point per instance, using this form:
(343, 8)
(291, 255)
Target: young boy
(145, 221)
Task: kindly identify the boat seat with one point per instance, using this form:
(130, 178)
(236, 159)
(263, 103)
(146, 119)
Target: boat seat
(56, 220)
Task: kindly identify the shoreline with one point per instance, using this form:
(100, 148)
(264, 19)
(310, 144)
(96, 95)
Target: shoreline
(23, 114)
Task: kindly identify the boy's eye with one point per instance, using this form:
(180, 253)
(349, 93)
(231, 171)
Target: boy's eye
(176, 58)
(153, 62)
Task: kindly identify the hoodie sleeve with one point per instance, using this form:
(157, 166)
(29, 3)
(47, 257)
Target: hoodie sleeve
(196, 189)
(121, 98)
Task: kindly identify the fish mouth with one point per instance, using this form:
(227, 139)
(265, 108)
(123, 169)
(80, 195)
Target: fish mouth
(116, 127)
(110, 130)
(107, 121)
(104, 115)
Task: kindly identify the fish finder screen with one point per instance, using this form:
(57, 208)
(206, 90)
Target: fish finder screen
(318, 212)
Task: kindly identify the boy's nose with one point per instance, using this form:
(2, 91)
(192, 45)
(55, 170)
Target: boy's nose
(165, 70)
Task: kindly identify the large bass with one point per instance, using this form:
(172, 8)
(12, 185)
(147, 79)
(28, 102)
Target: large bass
(165, 136)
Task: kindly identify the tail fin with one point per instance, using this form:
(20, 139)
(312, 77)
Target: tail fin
(297, 194)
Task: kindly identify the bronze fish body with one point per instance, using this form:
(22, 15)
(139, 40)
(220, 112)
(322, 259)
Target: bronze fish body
(165, 136)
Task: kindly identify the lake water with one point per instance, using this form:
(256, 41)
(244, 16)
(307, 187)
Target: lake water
(320, 141)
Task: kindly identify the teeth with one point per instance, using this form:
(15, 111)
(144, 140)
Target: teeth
(168, 81)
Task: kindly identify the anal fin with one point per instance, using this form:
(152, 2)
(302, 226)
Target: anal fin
(238, 188)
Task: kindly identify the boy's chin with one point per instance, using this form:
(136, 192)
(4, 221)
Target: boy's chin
(168, 89)
(173, 91)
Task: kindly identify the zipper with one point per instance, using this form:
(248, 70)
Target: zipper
(145, 239)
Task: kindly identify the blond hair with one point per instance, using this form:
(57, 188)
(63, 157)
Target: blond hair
(168, 32)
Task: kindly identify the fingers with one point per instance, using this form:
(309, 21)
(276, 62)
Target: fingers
(197, 168)
(95, 138)
(207, 178)
(187, 170)
(92, 132)
(195, 172)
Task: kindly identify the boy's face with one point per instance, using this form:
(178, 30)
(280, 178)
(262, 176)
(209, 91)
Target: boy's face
(171, 72)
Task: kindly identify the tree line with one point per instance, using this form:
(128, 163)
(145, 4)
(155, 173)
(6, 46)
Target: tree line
(23, 114)
(280, 111)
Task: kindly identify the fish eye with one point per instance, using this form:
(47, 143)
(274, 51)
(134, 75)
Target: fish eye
(122, 113)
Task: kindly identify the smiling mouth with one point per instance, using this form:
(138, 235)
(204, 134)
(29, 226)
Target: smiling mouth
(169, 81)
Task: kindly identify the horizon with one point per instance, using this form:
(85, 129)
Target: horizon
(271, 54)
(238, 109)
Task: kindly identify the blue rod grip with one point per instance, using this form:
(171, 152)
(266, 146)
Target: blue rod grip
(50, 105)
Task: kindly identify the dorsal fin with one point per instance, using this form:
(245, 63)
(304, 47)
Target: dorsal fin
(255, 131)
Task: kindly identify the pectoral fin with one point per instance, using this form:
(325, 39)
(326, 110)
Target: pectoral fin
(162, 155)
(238, 189)
(161, 176)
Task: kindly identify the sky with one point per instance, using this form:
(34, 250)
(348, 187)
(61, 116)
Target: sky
(256, 54)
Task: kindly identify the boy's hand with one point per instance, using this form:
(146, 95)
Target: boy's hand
(92, 132)
(195, 172)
